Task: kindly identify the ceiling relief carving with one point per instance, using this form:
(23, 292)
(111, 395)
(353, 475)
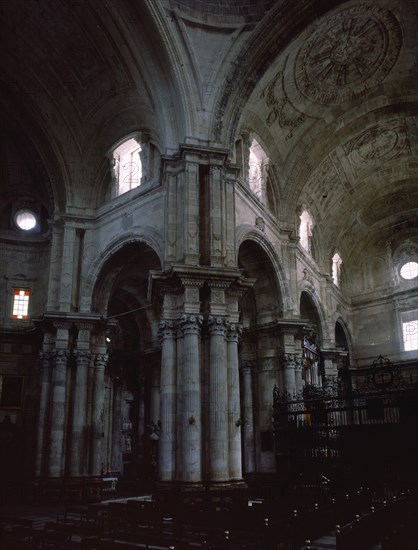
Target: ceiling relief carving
(389, 205)
(378, 144)
(349, 53)
(325, 178)
(282, 111)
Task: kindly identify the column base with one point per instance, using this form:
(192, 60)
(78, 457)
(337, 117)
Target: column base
(224, 495)
(67, 489)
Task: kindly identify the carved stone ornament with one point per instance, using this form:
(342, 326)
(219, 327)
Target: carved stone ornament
(191, 324)
(382, 142)
(349, 53)
(82, 357)
(217, 325)
(260, 223)
(167, 329)
(282, 109)
(234, 331)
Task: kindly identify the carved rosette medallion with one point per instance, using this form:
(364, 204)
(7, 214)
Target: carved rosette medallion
(349, 53)
(379, 143)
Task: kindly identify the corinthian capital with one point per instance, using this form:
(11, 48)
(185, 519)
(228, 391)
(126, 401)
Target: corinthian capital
(217, 325)
(82, 357)
(234, 331)
(167, 329)
(100, 360)
(61, 355)
(45, 358)
(190, 324)
(291, 360)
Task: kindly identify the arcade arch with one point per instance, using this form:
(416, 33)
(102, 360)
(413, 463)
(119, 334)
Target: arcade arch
(132, 374)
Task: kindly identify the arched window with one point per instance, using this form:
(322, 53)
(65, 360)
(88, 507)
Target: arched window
(305, 230)
(336, 268)
(257, 170)
(126, 168)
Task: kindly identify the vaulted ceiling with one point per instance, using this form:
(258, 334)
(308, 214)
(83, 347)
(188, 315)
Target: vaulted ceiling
(328, 87)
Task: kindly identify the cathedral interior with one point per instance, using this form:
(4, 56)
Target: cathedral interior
(209, 252)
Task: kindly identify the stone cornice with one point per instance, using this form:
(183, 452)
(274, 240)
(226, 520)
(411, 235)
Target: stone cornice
(52, 318)
(283, 323)
(183, 275)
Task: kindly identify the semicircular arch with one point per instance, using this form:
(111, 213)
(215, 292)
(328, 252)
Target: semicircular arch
(97, 287)
(248, 233)
(318, 310)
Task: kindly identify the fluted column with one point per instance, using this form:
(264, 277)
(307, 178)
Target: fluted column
(298, 375)
(234, 414)
(58, 407)
(77, 465)
(191, 406)
(97, 413)
(247, 369)
(289, 364)
(155, 394)
(167, 443)
(218, 401)
(45, 365)
(116, 448)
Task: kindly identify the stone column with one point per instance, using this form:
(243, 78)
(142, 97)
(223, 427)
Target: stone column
(58, 407)
(191, 407)
(155, 394)
(218, 401)
(116, 449)
(141, 418)
(289, 364)
(45, 365)
(234, 408)
(167, 444)
(77, 466)
(97, 413)
(247, 368)
(298, 376)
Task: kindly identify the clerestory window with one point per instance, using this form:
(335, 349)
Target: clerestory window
(127, 168)
(410, 330)
(336, 268)
(305, 230)
(257, 174)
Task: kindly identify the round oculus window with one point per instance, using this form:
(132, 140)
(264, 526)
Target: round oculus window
(26, 220)
(409, 270)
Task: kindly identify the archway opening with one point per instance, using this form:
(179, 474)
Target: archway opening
(131, 412)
